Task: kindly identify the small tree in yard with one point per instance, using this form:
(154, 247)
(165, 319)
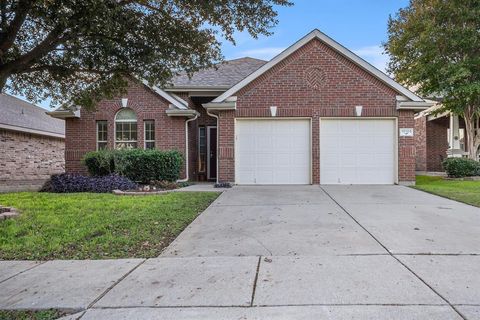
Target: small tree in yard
(435, 44)
(81, 51)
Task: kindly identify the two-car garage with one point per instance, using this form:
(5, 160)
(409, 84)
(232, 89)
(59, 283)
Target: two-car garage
(279, 151)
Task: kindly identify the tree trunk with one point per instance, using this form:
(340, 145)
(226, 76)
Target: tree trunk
(3, 81)
(471, 131)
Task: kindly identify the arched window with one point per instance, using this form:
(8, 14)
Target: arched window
(125, 129)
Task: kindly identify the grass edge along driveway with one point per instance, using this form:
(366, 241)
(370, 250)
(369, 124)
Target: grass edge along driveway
(463, 191)
(95, 226)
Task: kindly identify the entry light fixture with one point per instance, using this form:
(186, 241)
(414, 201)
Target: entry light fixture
(124, 102)
(358, 111)
(273, 111)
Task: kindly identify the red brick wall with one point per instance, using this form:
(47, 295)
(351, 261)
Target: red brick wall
(28, 160)
(343, 85)
(436, 143)
(81, 133)
(421, 143)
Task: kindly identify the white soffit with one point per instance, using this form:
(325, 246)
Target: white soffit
(337, 47)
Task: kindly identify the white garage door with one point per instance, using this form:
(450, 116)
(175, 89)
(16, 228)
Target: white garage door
(272, 151)
(357, 151)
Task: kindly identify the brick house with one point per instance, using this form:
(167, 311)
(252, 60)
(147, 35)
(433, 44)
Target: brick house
(439, 135)
(31, 145)
(316, 113)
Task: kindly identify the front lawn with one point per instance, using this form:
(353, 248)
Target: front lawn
(95, 226)
(463, 191)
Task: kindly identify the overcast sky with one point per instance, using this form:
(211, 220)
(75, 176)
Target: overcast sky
(359, 25)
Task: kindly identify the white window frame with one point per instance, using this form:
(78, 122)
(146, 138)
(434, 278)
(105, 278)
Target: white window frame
(145, 141)
(115, 141)
(101, 141)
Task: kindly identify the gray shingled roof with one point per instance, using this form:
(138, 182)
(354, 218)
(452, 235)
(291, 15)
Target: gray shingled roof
(22, 114)
(227, 74)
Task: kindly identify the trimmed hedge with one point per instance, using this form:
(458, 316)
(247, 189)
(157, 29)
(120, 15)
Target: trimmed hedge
(66, 183)
(138, 165)
(100, 163)
(461, 167)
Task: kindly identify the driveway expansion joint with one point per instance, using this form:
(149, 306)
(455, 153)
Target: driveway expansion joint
(394, 257)
(39, 263)
(255, 280)
(115, 283)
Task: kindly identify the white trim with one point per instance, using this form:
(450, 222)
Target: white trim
(413, 105)
(123, 121)
(190, 113)
(96, 130)
(276, 119)
(208, 153)
(145, 131)
(175, 101)
(31, 131)
(220, 106)
(63, 114)
(196, 88)
(333, 44)
(395, 135)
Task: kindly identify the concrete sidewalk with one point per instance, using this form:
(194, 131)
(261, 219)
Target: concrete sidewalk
(281, 253)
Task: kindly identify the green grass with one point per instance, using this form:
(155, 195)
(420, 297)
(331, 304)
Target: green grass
(95, 226)
(31, 315)
(463, 191)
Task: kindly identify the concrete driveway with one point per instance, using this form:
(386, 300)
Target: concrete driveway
(299, 252)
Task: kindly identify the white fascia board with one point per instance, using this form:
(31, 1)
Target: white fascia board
(176, 102)
(189, 113)
(196, 88)
(220, 106)
(413, 105)
(32, 131)
(337, 47)
(64, 114)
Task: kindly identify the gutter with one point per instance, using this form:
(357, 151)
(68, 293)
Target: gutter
(64, 114)
(191, 115)
(220, 106)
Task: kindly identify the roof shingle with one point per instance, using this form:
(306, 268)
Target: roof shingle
(226, 74)
(19, 113)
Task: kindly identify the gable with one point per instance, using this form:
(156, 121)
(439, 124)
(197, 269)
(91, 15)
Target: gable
(335, 47)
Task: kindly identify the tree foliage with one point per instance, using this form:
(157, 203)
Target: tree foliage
(82, 50)
(435, 46)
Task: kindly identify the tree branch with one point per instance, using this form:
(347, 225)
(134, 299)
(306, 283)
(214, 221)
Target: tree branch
(7, 38)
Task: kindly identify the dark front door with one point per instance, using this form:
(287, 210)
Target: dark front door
(212, 153)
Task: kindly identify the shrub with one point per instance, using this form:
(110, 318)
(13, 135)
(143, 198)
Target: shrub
(136, 164)
(66, 183)
(461, 167)
(148, 165)
(100, 163)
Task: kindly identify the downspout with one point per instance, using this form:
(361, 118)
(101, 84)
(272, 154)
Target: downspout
(186, 148)
(216, 117)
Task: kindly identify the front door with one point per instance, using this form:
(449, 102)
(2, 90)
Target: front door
(212, 153)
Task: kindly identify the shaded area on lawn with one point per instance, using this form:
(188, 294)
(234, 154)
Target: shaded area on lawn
(31, 315)
(463, 191)
(95, 226)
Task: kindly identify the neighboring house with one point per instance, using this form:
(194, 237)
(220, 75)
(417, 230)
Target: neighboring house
(439, 135)
(316, 113)
(32, 145)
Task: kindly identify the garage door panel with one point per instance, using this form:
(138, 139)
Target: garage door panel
(357, 151)
(278, 151)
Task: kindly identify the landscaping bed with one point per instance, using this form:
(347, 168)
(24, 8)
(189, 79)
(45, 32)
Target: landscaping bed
(95, 226)
(459, 190)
